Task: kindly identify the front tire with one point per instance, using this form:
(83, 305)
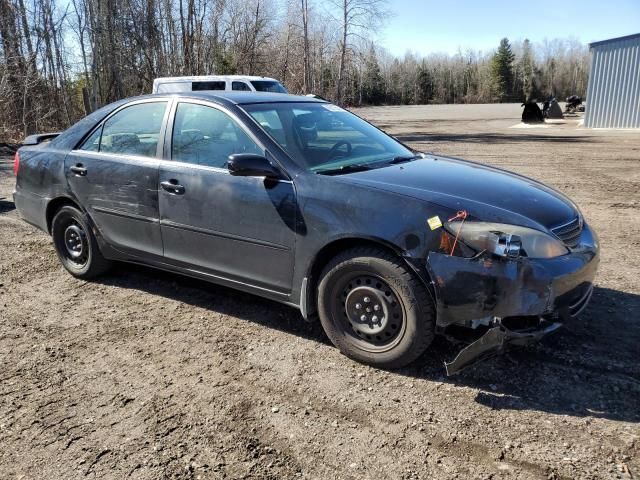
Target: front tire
(374, 309)
(76, 245)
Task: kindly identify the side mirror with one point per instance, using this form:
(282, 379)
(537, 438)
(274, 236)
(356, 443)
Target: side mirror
(251, 165)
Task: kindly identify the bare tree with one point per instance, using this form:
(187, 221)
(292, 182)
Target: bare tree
(60, 59)
(306, 61)
(356, 18)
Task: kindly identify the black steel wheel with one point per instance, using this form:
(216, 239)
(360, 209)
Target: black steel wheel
(370, 311)
(76, 245)
(374, 309)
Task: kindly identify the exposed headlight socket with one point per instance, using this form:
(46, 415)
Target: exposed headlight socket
(505, 240)
(507, 245)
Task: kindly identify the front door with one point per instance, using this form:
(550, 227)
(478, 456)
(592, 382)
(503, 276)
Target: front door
(240, 229)
(114, 174)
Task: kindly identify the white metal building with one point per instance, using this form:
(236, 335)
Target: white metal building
(613, 94)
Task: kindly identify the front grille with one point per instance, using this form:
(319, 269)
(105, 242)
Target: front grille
(570, 232)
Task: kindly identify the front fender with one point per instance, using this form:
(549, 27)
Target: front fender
(485, 286)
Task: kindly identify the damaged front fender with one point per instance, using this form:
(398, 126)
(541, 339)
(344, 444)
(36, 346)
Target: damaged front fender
(520, 300)
(484, 286)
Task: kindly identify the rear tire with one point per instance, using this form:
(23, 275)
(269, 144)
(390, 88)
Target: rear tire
(374, 309)
(76, 245)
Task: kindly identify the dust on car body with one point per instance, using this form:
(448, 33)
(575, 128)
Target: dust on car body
(302, 202)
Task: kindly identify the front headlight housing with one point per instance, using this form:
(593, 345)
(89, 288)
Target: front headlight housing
(507, 240)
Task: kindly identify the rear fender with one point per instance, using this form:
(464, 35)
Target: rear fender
(54, 204)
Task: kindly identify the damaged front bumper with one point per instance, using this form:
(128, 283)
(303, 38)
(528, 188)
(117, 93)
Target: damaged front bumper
(495, 341)
(487, 291)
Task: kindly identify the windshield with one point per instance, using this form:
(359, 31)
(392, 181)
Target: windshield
(324, 138)
(268, 86)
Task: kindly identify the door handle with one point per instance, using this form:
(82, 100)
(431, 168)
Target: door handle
(78, 170)
(172, 186)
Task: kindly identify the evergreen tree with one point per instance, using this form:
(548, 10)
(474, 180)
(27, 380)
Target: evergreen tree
(502, 71)
(373, 83)
(424, 84)
(224, 64)
(395, 84)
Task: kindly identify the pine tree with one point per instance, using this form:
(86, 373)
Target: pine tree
(424, 84)
(373, 83)
(502, 71)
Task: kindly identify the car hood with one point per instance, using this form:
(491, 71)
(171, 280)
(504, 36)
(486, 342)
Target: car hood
(486, 193)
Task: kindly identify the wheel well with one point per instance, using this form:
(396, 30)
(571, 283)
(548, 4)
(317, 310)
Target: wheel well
(327, 253)
(56, 204)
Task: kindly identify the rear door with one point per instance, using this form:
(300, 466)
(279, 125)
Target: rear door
(240, 229)
(114, 175)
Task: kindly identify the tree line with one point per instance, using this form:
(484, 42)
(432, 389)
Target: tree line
(62, 58)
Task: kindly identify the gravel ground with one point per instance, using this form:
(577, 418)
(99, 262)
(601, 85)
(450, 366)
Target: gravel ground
(143, 374)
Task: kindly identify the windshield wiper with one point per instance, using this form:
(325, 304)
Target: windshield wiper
(404, 159)
(358, 167)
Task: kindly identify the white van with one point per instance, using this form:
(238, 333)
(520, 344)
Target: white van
(217, 82)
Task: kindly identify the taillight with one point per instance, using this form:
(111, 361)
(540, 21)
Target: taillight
(16, 164)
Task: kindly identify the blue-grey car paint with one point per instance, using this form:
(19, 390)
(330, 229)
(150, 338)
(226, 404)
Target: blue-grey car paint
(272, 237)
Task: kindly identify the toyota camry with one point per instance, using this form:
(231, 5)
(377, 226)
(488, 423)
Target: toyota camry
(300, 201)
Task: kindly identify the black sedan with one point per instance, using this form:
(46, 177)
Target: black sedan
(300, 201)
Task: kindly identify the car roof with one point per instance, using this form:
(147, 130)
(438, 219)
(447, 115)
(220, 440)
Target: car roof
(240, 98)
(204, 78)
(70, 137)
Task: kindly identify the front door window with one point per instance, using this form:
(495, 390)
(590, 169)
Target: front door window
(204, 135)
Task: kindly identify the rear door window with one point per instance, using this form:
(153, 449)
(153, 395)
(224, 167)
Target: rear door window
(135, 130)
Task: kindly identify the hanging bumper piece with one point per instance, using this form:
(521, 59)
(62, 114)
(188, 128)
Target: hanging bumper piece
(495, 341)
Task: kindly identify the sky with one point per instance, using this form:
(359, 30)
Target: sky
(443, 26)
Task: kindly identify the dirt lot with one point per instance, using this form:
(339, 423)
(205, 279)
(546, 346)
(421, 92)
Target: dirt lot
(148, 375)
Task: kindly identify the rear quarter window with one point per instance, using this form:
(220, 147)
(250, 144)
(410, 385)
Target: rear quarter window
(92, 143)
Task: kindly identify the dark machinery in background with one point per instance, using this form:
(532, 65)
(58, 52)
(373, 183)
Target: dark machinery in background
(532, 113)
(551, 109)
(574, 104)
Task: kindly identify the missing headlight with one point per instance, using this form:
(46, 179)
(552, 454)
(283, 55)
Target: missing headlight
(449, 246)
(506, 240)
